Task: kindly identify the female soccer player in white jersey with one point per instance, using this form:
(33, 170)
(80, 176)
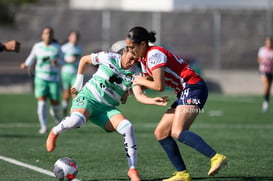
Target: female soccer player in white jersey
(166, 69)
(98, 100)
(265, 60)
(49, 57)
(72, 54)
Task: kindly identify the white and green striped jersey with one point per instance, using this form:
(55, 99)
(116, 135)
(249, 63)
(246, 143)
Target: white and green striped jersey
(110, 81)
(44, 55)
(70, 51)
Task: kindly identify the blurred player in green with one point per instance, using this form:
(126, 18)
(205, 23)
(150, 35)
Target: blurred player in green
(72, 54)
(48, 57)
(97, 101)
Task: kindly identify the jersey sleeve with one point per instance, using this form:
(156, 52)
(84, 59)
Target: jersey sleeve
(98, 58)
(32, 56)
(60, 60)
(155, 59)
(260, 52)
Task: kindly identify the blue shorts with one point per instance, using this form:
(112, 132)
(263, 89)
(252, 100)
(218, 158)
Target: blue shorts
(193, 94)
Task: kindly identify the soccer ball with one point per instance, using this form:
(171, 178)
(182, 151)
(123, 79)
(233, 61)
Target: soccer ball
(65, 169)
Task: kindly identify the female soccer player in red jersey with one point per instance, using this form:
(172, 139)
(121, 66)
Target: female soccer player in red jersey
(163, 68)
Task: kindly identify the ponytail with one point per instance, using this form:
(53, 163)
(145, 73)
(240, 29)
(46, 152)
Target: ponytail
(139, 34)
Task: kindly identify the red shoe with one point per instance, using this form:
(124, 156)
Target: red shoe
(133, 174)
(51, 141)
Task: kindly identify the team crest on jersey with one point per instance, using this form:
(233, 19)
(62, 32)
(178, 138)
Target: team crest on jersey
(129, 77)
(80, 101)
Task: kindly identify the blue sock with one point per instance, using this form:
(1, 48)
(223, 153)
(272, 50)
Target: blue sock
(171, 148)
(193, 140)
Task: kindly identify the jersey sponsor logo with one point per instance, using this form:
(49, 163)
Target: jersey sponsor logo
(155, 59)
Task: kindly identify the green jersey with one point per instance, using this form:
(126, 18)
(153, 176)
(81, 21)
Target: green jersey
(110, 81)
(44, 55)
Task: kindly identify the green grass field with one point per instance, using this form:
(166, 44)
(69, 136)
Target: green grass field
(233, 125)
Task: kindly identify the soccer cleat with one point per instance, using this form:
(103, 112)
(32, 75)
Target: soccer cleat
(42, 130)
(51, 141)
(133, 175)
(179, 176)
(265, 106)
(217, 161)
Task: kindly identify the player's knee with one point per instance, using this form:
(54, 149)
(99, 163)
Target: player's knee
(160, 134)
(77, 120)
(125, 126)
(175, 134)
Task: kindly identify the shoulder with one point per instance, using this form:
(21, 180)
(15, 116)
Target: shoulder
(104, 56)
(56, 45)
(156, 55)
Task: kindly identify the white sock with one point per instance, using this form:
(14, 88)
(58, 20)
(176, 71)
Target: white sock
(64, 104)
(126, 129)
(42, 114)
(54, 112)
(75, 120)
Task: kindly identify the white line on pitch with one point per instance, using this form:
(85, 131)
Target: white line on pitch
(32, 167)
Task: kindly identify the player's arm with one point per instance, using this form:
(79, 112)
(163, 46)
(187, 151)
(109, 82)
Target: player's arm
(156, 83)
(10, 46)
(84, 61)
(30, 59)
(142, 98)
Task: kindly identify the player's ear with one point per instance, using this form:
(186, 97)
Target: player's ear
(143, 44)
(124, 51)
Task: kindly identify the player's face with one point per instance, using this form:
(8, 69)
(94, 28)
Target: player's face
(47, 35)
(268, 42)
(128, 59)
(139, 49)
(73, 38)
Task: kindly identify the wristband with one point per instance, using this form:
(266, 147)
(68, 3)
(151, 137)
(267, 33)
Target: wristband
(78, 82)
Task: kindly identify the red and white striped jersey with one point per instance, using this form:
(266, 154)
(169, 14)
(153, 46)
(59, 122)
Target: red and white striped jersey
(266, 55)
(176, 71)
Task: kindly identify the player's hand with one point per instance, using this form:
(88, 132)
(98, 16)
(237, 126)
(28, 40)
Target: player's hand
(23, 66)
(12, 46)
(161, 101)
(74, 92)
(54, 63)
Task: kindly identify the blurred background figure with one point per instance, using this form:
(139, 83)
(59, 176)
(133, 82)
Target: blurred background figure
(48, 57)
(10, 46)
(265, 60)
(72, 54)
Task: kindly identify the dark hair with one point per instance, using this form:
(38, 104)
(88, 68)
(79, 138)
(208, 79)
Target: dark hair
(77, 35)
(139, 34)
(52, 33)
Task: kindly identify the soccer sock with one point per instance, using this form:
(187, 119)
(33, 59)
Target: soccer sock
(266, 97)
(54, 112)
(193, 140)
(42, 114)
(75, 120)
(64, 106)
(126, 129)
(170, 147)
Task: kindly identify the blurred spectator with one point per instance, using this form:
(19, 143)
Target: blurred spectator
(265, 60)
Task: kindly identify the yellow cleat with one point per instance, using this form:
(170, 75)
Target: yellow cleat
(217, 161)
(179, 176)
